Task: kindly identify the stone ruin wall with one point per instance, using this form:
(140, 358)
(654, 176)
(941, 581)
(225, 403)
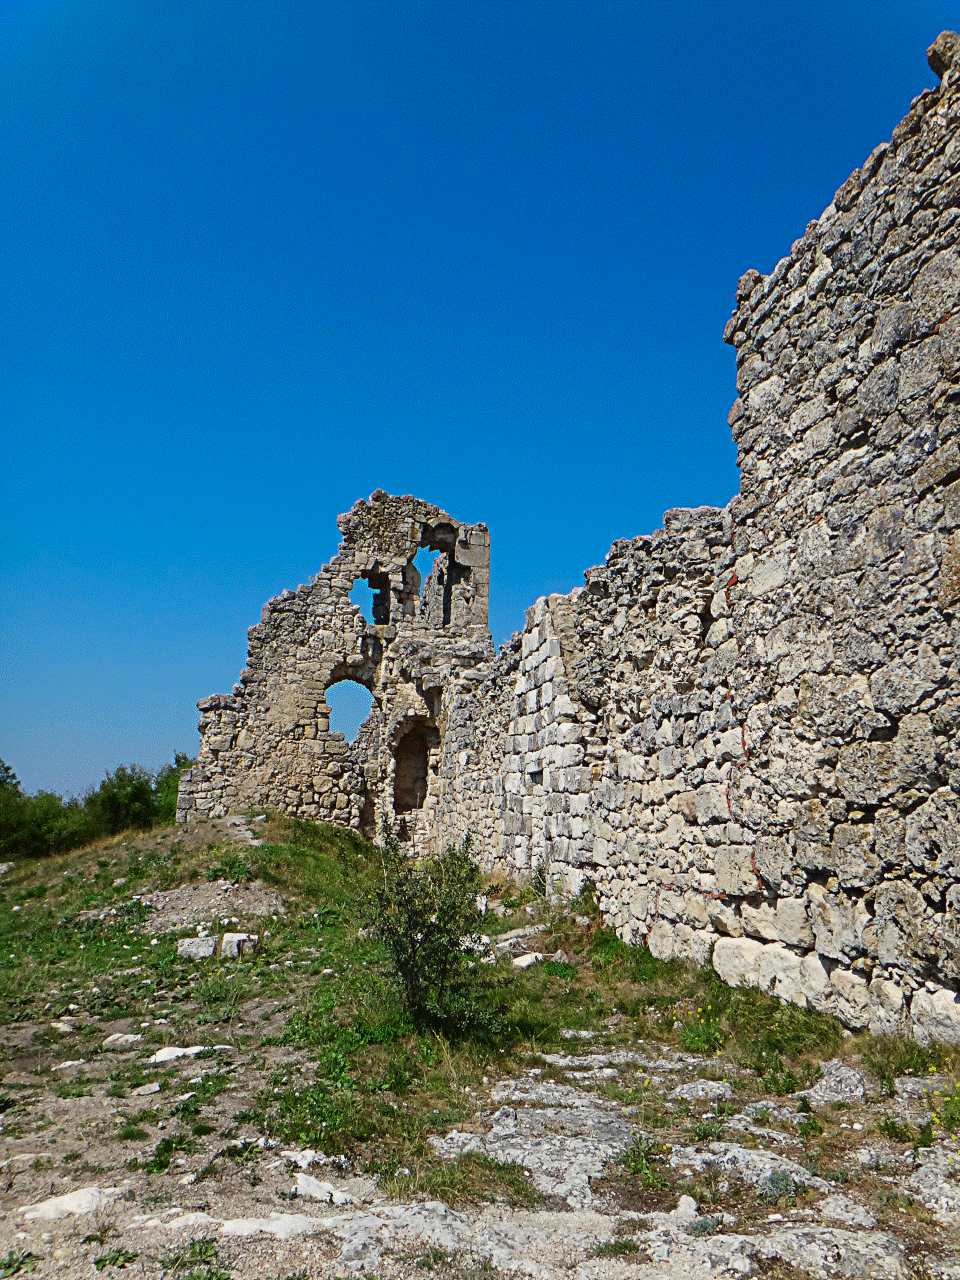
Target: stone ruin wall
(269, 742)
(743, 728)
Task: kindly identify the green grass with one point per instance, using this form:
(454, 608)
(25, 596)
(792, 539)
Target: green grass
(368, 1082)
(616, 1248)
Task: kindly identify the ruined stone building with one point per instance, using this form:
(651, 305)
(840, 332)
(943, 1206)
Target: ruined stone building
(743, 728)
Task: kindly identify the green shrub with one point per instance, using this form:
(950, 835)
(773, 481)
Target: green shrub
(424, 913)
(124, 799)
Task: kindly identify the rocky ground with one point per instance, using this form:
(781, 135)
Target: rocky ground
(142, 1143)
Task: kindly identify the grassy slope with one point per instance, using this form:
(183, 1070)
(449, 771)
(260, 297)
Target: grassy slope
(329, 1058)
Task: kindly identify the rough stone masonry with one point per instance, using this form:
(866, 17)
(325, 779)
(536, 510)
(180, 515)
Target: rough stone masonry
(744, 727)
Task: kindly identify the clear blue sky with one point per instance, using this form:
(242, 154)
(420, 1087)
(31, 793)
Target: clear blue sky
(262, 257)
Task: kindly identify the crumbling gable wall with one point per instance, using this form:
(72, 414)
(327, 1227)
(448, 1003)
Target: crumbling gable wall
(269, 742)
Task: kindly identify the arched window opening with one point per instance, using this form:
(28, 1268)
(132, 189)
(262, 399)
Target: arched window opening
(410, 777)
(350, 704)
(424, 561)
(372, 596)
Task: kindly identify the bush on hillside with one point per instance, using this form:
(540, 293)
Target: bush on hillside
(45, 823)
(424, 913)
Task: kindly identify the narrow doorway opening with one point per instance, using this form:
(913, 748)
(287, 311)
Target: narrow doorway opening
(410, 776)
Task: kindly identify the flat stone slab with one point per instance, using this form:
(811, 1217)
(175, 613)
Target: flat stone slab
(122, 1040)
(198, 948)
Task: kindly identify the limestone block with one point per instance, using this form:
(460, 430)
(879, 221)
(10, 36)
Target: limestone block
(695, 909)
(932, 834)
(838, 922)
(701, 946)
(734, 867)
(121, 1040)
(815, 981)
(852, 855)
(239, 944)
(638, 901)
(793, 925)
(737, 960)
(937, 285)
(660, 940)
(898, 908)
(711, 804)
(198, 948)
(686, 803)
(780, 972)
(852, 1000)
(761, 921)
(888, 1012)
(724, 919)
(870, 772)
(770, 573)
(670, 904)
(936, 1016)
(730, 746)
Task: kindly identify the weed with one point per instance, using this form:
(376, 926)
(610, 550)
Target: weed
(639, 1159)
(887, 1057)
(776, 1184)
(197, 1251)
(705, 1035)
(473, 1178)
(17, 1262)
(231, 867)
(947, 1108)
(707, 1129)
(116, 1257)
(924, 1136)
(560, 969)
(780, 1079)
(804, 1107)
(166, 1149)
(809, 1128)
(892, 1128)
(705, 1226)
(132, 1132)
(78, 1087)
(616, 1248)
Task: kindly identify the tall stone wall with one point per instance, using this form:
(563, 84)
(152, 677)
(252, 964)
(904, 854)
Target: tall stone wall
(743, 728)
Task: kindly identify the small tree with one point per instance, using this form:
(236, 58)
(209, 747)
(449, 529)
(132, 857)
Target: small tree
(124, 799)
(13, 815)
(424, 913)
(166, 788)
